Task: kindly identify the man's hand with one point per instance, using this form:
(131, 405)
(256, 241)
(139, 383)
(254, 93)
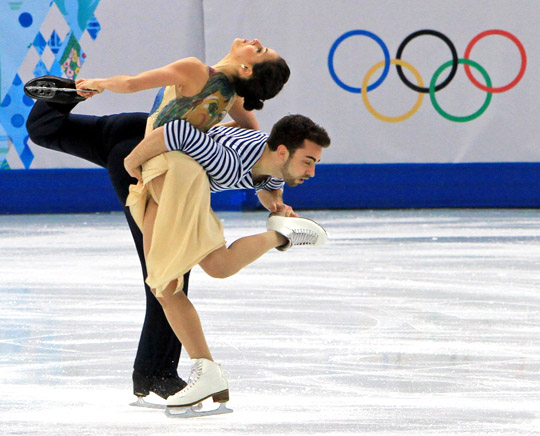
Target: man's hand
(273, 201)
(284, 209)
(152, 145)
(133, 169)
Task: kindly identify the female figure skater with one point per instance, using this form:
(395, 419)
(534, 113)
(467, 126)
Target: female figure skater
(203, 95)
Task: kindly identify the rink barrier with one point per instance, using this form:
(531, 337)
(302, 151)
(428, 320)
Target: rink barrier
(336, 186)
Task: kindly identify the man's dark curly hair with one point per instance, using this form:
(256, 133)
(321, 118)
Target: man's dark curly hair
(265, 82)
(292, 130)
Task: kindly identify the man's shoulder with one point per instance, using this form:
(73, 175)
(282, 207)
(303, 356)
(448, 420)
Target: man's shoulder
(236, 132)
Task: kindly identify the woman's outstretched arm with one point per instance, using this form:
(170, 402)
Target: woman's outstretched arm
(189, 73)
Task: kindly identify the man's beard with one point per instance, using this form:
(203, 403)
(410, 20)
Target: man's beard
(289, 179)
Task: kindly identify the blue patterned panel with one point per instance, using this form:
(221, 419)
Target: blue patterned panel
(37, 38)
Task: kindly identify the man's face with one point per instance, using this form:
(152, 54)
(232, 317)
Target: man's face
(301, 165)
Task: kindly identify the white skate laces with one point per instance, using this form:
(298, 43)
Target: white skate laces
(299, 231)
(196, 372)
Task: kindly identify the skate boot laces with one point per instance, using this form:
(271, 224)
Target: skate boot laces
(302, 237)
(196, 373)
(297, 230)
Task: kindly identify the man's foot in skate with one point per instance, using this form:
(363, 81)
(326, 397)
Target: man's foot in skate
(54, 89)
(298, 231)
(164, 386)
(206, 380)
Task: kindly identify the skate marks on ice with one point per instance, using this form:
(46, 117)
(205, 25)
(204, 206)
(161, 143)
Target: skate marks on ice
(407, 322)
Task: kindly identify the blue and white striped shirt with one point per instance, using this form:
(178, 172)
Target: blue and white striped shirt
(226, 153)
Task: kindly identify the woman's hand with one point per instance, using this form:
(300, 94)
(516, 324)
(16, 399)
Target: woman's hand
(93, 84)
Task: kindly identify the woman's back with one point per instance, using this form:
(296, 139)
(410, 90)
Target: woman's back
(203, 110)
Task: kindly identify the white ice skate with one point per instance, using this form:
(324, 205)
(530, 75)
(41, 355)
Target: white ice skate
(299, 231)
(206, 380)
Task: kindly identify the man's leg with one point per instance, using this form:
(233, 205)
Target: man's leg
(96, 139)
(159, 349)
(50, 125)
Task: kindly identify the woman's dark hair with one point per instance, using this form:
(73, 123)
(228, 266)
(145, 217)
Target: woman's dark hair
(265, 82)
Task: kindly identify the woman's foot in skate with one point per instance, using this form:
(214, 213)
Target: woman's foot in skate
(297, 230)
(206, 380)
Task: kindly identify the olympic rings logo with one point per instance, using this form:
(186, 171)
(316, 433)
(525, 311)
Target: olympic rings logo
(433, 87)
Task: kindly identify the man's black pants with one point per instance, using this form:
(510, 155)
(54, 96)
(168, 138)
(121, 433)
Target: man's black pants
(106, 141)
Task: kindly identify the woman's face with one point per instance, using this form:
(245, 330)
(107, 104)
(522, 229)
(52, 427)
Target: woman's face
(251, 52)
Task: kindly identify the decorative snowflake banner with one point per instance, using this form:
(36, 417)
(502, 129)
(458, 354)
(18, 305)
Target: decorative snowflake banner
(37, 38)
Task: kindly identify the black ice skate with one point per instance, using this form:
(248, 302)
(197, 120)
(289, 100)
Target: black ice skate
(54, 89)
(160, 385)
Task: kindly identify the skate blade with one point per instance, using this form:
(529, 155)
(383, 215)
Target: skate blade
(48, 89)
(141, 402)
(195, 411)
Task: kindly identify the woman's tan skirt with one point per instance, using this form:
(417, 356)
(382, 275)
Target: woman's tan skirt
(186, 228)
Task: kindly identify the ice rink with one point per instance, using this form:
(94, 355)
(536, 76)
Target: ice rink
(408, 322)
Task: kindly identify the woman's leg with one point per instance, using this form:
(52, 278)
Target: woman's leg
(225, 262)
(158, 352)
(180, 313)
(185, 322)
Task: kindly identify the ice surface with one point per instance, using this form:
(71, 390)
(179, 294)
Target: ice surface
(407, 323)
